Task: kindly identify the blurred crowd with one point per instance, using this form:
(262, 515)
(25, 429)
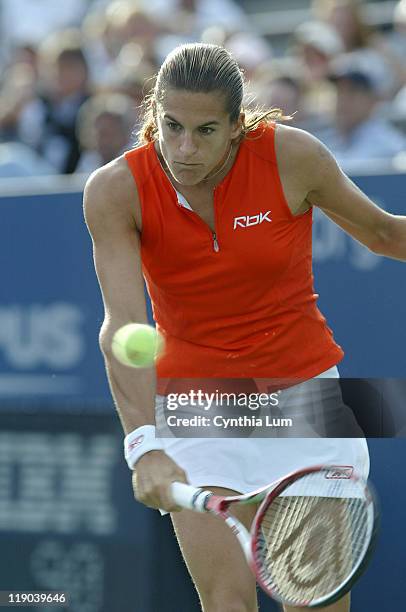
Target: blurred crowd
(74, 73)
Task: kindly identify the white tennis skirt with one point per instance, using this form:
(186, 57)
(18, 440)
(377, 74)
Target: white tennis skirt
(244, 464)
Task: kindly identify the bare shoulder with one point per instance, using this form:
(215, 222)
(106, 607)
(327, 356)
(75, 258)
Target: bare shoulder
(298, 144)
(111, 198)
(308, 158)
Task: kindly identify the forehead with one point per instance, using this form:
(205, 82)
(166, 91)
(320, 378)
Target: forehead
(191, 106)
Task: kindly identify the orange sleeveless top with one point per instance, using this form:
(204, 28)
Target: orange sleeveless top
(239, 303)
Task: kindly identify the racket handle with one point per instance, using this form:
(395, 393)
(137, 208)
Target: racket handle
(189, 497)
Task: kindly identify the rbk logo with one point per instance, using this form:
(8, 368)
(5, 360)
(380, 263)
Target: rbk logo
(247, 221)
(340, 472)
(136, 442)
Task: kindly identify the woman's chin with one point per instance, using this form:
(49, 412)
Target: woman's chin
(188, 178)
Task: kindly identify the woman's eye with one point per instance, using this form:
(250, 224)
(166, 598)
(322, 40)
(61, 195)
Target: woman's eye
(206, 130)
(173, 126)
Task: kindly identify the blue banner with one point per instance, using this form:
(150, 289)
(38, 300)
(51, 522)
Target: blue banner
(50, 306)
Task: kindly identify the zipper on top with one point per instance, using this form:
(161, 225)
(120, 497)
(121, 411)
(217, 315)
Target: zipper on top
(216, 246)
(183, 203)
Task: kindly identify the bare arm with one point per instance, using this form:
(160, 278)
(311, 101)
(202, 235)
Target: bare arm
(110, 219)
(327, 187)
(110, 207)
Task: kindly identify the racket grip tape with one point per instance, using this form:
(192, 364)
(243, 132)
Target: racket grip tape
(189, 497)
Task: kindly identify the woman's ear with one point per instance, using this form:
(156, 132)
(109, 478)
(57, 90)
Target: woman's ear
(239, 128)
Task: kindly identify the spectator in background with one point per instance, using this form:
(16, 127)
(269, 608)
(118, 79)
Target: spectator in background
(18, 92)
(280, 84)
(133, 74)
(120, 39)
(280, 90)
(249, 50)
(64, 71)
(29, 22)
(130, 22)
(360, 132)
(187, 20)
(205, 13)
(101, 46)
(123, 41)
(105, 122)
(315, 44)
(347, 18)
(21, 114)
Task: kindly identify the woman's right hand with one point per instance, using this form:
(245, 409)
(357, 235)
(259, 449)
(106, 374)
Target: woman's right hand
(152, 477)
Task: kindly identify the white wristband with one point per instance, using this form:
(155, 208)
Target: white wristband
(138, 442)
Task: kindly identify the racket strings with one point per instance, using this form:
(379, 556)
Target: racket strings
(309, 544)
(303, 549)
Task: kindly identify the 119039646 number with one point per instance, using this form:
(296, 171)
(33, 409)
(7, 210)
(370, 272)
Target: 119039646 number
(37, 597)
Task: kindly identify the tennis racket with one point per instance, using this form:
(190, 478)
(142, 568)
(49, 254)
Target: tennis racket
(312, 536)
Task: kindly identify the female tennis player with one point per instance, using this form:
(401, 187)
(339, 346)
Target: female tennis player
(214, 210)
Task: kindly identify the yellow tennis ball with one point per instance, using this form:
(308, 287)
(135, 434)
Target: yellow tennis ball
(137, 345)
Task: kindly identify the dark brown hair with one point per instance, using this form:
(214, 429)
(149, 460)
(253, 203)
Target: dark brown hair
(203, 68)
